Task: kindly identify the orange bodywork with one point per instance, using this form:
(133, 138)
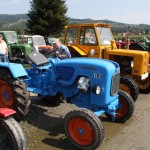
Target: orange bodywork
(96, 40)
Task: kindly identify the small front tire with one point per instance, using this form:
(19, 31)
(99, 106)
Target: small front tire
(84, 129)
(126, 107)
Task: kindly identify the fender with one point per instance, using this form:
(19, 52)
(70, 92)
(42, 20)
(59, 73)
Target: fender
(17, 70)
(79, 51)
(5, 112)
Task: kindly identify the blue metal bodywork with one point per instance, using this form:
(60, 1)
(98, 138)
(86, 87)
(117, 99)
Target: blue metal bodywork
(62, 76)
(76, 79)
(17, 70)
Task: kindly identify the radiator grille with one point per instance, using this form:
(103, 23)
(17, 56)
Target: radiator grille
(115, 84)
(65, 72)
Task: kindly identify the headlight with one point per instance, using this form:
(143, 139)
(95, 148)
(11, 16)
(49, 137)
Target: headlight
(83, 84)
(92, 52)
(97, 90)
(132, 63)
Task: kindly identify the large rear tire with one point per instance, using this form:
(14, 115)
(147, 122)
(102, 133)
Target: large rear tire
(11, 135)
(129, 85)
(84, 129)
(14, 94)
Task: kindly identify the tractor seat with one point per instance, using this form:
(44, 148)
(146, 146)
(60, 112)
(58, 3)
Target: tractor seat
(37, 59)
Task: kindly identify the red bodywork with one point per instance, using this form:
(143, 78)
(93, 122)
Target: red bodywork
(45, 49)
(122, 44)
(5, 112)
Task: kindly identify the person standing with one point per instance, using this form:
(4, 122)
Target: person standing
(63, 51)
(3, 46)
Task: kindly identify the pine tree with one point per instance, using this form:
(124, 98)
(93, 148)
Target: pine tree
(47, 17)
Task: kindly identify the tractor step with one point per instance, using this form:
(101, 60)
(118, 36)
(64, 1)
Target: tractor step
(37, 90)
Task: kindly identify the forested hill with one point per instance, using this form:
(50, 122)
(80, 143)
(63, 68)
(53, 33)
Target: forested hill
(8, 19)
(116, 27)
(18, 22)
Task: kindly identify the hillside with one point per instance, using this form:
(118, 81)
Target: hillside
(18, 22)
(116, 27)
(13, 22)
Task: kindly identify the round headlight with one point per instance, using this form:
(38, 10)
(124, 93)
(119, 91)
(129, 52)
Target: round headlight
(97, 89)
(92, 52)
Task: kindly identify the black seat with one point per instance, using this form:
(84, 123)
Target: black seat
(37, 59)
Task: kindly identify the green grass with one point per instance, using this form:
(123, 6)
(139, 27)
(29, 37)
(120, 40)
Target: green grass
(138, 37)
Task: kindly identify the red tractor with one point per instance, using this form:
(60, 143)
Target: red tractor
(11, 133)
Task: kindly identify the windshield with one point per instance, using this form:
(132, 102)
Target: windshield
(105, 35)
(38, 41)
(12, 38)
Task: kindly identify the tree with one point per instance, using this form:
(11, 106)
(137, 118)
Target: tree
(47, 17)
(146, 31)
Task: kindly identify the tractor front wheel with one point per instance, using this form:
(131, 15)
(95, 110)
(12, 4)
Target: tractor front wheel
(11, 135)
(126, 107)
(13, 94)
(84, 129)
(129, 85)
(144, 85)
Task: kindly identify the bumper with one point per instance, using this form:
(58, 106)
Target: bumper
(144, 76)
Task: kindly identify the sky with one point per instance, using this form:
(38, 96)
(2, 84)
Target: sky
(124, 11)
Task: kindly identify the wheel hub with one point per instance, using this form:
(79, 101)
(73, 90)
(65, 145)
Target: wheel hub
(81, 131)
(6, 94)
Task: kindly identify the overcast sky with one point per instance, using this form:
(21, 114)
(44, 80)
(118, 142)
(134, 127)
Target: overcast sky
(125, 11)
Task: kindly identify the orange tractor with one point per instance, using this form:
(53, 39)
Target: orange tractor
(96, 40)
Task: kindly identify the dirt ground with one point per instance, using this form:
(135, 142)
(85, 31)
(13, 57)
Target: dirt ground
(44, 128)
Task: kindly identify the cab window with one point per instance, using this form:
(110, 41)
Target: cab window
(87, 36)
(72, 36)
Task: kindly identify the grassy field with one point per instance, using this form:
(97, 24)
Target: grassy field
(138, 37)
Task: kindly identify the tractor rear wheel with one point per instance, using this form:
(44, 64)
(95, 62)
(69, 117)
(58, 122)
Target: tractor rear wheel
(129, 85)
(84, 129)
(11, 135)
(14, 94)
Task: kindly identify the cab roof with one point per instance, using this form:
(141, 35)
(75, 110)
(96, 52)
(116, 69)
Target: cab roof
(89, 24)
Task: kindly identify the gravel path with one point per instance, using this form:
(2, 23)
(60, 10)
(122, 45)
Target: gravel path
(44, 128)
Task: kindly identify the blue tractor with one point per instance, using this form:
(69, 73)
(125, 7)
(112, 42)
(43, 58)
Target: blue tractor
(91, 84)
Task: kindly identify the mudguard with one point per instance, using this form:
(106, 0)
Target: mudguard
(5, 112)
(78, 50)
(17, 70)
